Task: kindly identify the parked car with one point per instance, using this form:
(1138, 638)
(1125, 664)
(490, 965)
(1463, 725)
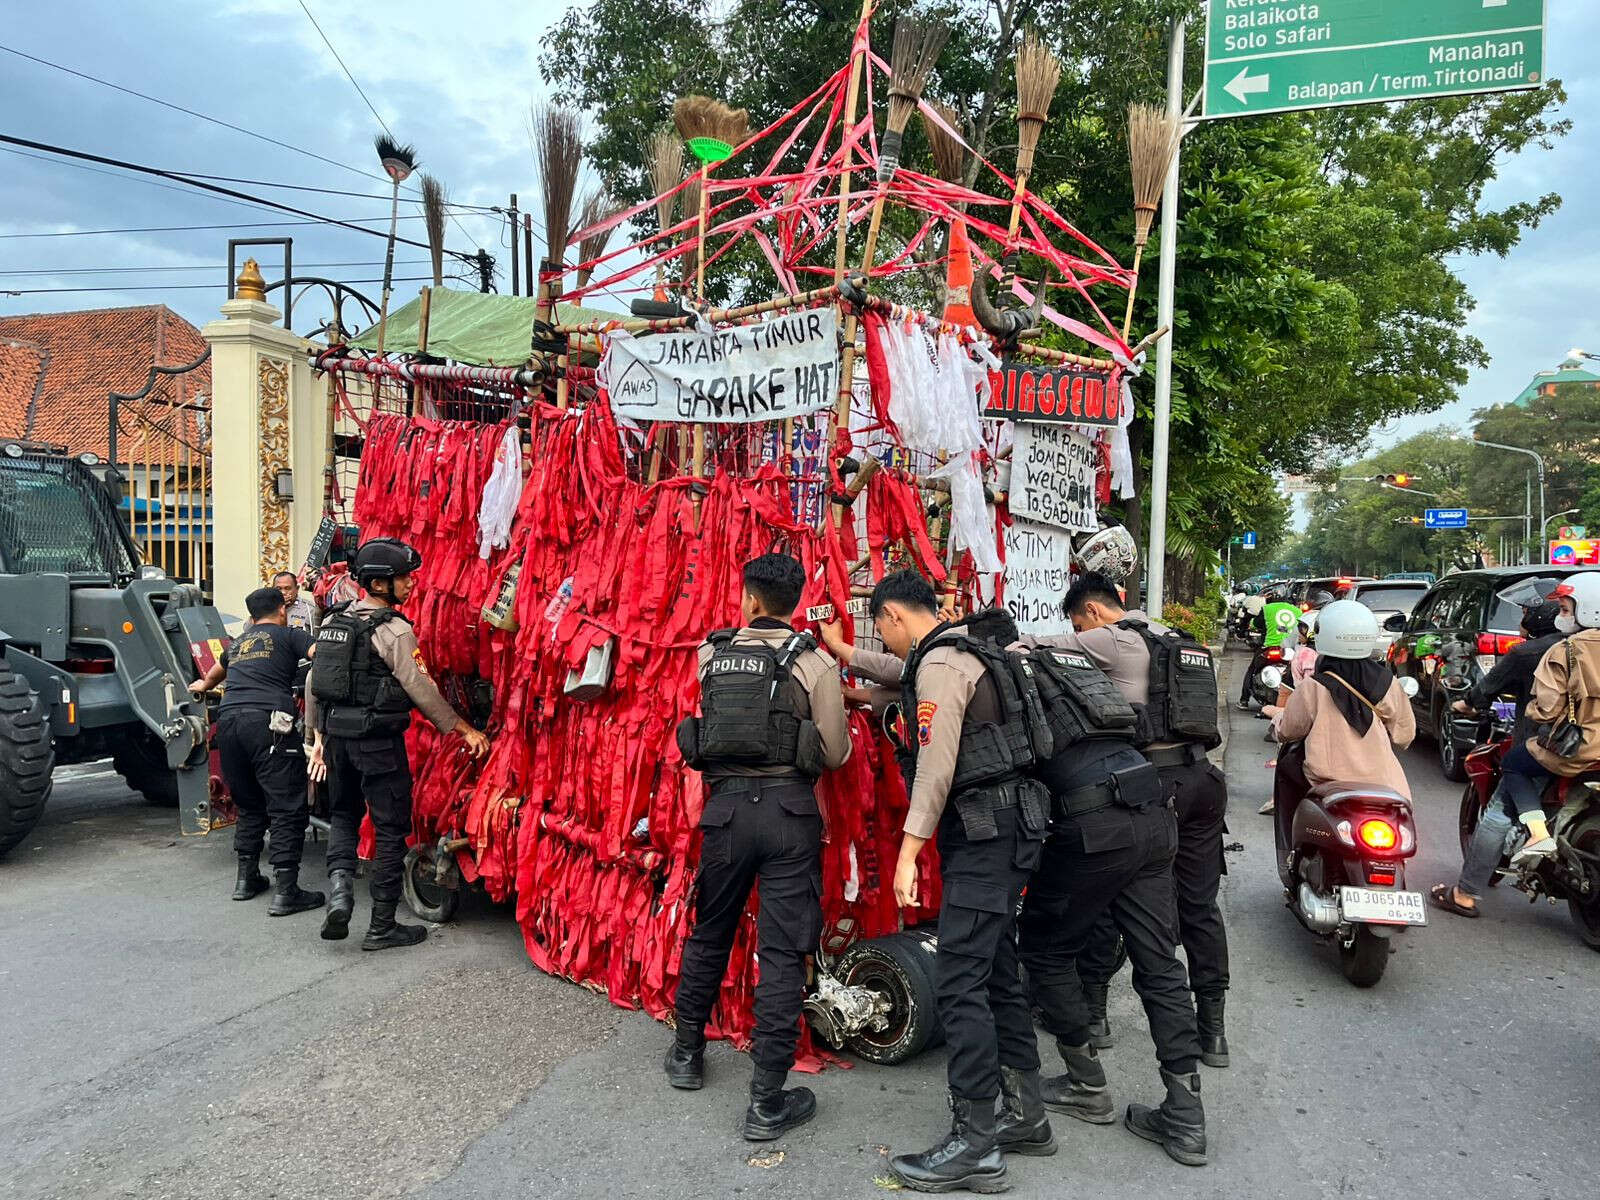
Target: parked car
(1386, 597)
(1471, 614)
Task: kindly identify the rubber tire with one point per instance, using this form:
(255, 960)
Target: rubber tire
(429, 900)
(900, 965)
(1452, 762)
(1587, 837)
(1364, 960)
(141, 760)
(27, 758)
(1467, 825)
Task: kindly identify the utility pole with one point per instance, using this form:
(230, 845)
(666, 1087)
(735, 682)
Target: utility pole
(485, 265)
(1157, 574)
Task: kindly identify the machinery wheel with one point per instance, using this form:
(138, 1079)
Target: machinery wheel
(899, 967)
(426, 896)
(27, 756)
(1451, 761)
(1363, 957)
(1586, 912)
(141, 760)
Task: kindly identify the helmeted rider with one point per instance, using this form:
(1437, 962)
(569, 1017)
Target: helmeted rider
(1278, 620)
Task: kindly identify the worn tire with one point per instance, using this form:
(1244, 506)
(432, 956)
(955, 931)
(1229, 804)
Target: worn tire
(1364, 959)
(141, 760)
(1586, 916)
(27, 757)
(425, 896)
(901, 967)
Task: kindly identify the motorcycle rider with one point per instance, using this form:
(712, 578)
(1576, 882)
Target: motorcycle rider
(1566, 681)
(1513, 673)
(1277, 622)
(1302, 665)
(1346, 720)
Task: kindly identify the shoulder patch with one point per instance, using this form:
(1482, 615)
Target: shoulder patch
(422, 663)
(925, 712)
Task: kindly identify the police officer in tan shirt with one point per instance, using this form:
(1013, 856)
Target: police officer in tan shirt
(771, 721)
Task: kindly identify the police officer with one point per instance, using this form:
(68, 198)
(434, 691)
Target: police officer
(772, 719)
(1171, 683)
(367, 676)
(969, 738)
(262, 760)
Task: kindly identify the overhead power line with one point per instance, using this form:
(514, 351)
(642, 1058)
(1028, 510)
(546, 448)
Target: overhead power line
(346, 70)
(180, 287)
(186, 228)
(299, 266)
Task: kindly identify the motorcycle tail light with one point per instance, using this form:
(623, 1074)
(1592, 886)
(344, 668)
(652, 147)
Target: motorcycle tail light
(1378, 834)
(1381, 874)
(1273, 654)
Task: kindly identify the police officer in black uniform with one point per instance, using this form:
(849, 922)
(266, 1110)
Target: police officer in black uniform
(1171, 682)
(261, 754)
(771, 720)
(367, 677)
(972, 729)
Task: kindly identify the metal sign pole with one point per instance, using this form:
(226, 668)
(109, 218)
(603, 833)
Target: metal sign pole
(1156, 573)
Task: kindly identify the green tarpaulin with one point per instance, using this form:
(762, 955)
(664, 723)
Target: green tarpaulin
(477, 328)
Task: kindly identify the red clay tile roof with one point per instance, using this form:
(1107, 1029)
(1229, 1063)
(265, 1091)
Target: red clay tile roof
(91, 354)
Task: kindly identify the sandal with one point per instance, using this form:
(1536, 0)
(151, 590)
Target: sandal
(1443, 895)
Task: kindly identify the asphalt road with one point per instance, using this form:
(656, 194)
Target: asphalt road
(162, 1041)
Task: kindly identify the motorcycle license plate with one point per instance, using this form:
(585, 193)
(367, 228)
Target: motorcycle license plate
(1379, 907)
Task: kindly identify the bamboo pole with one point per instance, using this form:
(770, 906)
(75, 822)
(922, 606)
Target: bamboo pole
(841, 416)
(423, 317)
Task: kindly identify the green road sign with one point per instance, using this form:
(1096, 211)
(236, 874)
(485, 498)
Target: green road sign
(1267, 56)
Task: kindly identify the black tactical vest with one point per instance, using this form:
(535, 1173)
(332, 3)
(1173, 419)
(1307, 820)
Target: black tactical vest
(1182, 706)
(359, 694)
(753, 711)
(1003, 732)
(1079, 700)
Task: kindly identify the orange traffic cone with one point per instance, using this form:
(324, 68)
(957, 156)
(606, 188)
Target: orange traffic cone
(958, 278)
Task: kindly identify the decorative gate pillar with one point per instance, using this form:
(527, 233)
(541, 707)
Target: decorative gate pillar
(269, 445)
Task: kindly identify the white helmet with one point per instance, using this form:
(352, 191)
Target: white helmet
(1347, 629)
(1584, 590)
(1111, 553)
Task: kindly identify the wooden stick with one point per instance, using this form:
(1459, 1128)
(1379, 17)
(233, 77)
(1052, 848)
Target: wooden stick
(852, 98)
(1133, 290)
(716, 316)
(422, 320)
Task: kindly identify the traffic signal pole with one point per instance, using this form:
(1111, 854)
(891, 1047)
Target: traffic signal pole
(1156, 573)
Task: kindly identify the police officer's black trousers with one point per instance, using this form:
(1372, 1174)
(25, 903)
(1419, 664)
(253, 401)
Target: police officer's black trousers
(764, 831)
(1199, 792)
(983, 1005)
(266, 776)
(370, 774)
(1114, 861)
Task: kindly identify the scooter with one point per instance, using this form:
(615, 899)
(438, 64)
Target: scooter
(1341, 855)
(1276, 660)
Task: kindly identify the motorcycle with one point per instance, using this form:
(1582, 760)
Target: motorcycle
(1343, 866)
(1274, 659)
(1572, 812)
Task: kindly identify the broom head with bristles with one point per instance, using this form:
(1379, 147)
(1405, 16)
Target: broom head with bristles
(666, 173)
(711, 129)
(1153, 138)
(598, 206)
(558, 145)
(949, 155)
(398, 161)
(1038, 73)
(916, 49)
(434, 202)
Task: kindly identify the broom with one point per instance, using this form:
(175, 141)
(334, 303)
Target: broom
(398, 163)
(665, 154)
(1038, 73)
(1153, 137)
(916, 49)
(558, 143)
(711, 130)
(434, 200)
(597, 206)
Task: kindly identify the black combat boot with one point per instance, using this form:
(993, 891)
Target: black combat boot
(774, 1111)
(686, 1062)
(336, 925)
(1023, 1127)
(1099, 1024)
(288, 897)
(968, 1159)
(1213, 1033)
(1179, 1125)
(1081, 1092)
(251, 882)
(385, 931)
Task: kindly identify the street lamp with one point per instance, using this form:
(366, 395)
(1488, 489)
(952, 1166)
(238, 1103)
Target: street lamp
(1576, 353)
(1543, 535)
(1538, 462)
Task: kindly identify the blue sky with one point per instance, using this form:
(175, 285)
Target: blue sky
(456, 81)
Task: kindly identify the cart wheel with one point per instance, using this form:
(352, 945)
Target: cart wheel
(425, 895)
(900, 968)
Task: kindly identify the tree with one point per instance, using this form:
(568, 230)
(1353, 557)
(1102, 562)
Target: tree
(1564, 428)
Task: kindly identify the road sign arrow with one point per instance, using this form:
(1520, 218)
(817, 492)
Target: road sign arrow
(1244, 85)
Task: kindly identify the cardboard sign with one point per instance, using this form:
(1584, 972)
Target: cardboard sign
(1037, 576)
(1052, 476)
(321, 543)
(769, 371)
(1070, 395)
(824, 612)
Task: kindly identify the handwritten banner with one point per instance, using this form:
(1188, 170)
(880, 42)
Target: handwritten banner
(1052, 476)
(1070, 395)
(1036, 576)
(769, 371)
